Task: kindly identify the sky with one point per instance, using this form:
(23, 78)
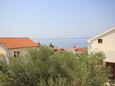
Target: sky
(55, 18)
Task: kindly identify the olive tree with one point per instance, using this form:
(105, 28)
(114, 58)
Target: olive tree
(44, 67)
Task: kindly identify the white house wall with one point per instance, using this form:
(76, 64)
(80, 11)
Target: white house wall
(4, 48)
(107, 45)
(22, 51)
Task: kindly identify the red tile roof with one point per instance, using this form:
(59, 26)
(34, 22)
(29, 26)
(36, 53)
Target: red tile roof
(12, 43)
(81, 49)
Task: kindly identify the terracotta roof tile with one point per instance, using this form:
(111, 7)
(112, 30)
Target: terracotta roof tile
(81, 49)
(11, 43)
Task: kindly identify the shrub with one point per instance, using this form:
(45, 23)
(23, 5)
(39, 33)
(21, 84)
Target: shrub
(44, 67)
(91, 70)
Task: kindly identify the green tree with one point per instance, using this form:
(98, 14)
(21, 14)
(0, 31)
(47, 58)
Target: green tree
(91, 70)
(44, 67)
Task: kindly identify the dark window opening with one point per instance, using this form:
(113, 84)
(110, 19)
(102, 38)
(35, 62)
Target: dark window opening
(100, 41)
(16, 53)
(111, 67)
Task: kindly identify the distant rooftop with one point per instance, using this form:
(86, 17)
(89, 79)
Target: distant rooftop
(17, 42)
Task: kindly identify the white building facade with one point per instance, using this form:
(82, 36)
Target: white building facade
(105, 43)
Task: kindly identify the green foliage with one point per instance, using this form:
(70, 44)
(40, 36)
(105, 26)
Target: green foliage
(44, 67)
(91, 70)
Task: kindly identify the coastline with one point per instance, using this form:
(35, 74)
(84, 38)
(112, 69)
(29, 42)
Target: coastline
(63, 42)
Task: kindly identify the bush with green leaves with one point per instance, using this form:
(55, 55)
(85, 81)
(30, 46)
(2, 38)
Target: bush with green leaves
(91, 70)
(44, 67)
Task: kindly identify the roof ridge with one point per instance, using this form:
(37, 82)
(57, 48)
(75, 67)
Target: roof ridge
(101, 34)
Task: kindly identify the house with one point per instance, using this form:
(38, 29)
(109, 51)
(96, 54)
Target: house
(13, 47)
(105, 43)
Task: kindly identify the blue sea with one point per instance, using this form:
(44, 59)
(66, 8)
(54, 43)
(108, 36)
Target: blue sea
(64, 42)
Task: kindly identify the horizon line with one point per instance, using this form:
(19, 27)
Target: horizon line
(63, 38)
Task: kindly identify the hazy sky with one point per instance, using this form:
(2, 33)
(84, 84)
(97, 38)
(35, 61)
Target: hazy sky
(56, 18)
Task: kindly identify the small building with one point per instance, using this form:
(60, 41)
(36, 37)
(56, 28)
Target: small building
(105, 43)
(13, 47)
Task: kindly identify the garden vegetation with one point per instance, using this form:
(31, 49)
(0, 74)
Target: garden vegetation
(44, 67)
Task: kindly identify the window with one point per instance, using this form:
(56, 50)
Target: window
(16, 53)
(100, 41)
